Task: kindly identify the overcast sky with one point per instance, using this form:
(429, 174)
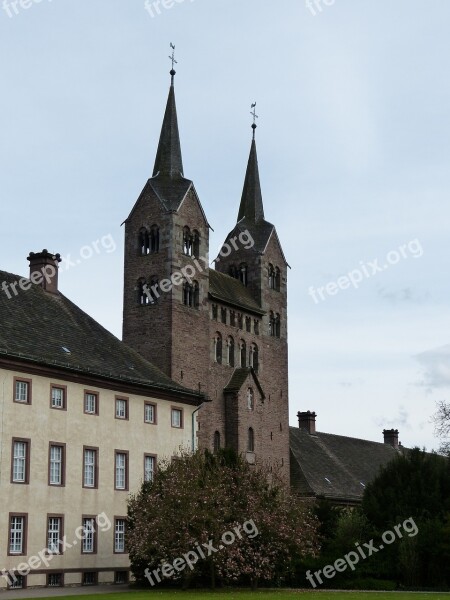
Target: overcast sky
(353, 141)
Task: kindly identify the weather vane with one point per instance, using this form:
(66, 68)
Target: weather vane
(174, 62)
(255, 116)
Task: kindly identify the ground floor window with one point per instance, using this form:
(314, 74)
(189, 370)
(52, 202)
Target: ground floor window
(89, 578)
(55, 580)
(121, 577)
(18, 582)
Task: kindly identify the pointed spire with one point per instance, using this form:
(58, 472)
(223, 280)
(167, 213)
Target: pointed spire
(251, 203)
(169, 162)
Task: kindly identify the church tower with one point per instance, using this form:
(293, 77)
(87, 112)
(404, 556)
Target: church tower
(222, 331)
(166, 313)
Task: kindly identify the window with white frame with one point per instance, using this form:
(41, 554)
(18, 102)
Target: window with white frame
(90, 468)
(17, 535)
(150, 413)
(22, 391)
(149, 467)
(121, 471)
(56, 465)
(119, 535)
(91, 403)
(177, 418)
(121, 408)
(20, 458)
(54, 534)
(58, 397)
(88, 545)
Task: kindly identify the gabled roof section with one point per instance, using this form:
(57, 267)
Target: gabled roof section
(238, 379)
(49, 330)
(335, 466)
(231, 291)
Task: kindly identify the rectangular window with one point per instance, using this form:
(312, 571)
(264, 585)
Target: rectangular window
(22, 390)
(56, 464)
(20, 460)
(149, 467)
(121, 408)
(58, 397)
(90, 467)
(150, 413)
(54, 533)
(17, 534)
(177, 418)
(55, 580)
(89, 544)
(121, 470)
(223, 315)
(89, 578)
(18, 582)
(120, 577)
(119, 535)
(232, 318)
(91, 403)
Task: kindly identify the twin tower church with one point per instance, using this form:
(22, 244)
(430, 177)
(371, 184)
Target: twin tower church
(220, 331)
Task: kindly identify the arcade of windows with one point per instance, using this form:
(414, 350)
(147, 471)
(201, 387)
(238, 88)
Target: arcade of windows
(148, 240)
(191, 242)
(274, 324)
(240, 272)
(232, 356)
(234, 319)
(148, 293)
(274, 276)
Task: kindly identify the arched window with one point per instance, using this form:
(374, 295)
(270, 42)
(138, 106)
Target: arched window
(144, 242)
(277, 325)
(243, 273)
(191, 294)
(254, 357)
(248, 324)
(216, 441)
(256, 326)
(271, 323)
(142, 292)
(196, 244)
(251, 440)
(250, 399)
(271, 277)
(240, 321)
(243, 353)
(277, 285)
(218, 348)
(196, 294)
(147, 294)
(187, 242)
(230, 344)
(154, 239)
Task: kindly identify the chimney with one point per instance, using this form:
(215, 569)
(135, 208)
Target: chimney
(391, 437)
(307, 421)
(44, 270)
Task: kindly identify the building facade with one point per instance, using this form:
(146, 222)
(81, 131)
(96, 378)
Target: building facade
(84, 421)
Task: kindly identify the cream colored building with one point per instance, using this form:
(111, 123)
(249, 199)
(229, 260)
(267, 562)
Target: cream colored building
(84, 420)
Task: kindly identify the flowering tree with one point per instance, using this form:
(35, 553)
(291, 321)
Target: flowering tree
(217, 515)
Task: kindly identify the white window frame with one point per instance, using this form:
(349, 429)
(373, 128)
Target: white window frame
(150, 407)
(121, 408)
(56, 465)
(54, 530)
(177, 423)
(20, 462)
(16, 535)
(88, 543)
(149, 468)
(119, 535)
(22, 391)
(91, 403)
(90, 467)
(120, 470)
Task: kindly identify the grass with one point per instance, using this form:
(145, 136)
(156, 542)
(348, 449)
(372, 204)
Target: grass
(262, 595)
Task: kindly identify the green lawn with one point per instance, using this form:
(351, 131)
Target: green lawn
(261, 595)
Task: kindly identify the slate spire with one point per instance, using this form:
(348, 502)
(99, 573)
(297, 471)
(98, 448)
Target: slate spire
(251, 203)
(169, 162)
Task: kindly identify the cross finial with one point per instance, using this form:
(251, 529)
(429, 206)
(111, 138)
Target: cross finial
(255, 116)
(174, 62)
